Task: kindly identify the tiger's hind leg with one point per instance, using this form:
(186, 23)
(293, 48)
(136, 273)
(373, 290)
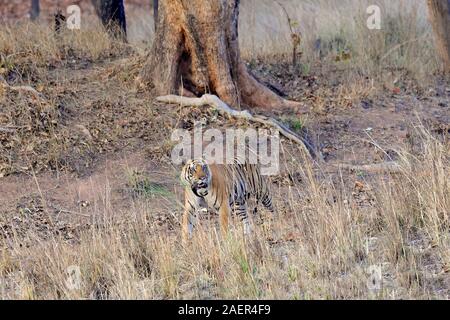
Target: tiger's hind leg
(240, 210)
(265, 221)
(253, 204)
(267, 202)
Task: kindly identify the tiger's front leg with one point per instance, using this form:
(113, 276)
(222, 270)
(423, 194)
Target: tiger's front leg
(192, 204)
(224, 214)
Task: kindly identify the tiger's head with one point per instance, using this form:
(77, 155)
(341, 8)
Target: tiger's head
(197, 174)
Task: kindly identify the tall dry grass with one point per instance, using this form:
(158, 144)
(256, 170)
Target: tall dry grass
(320, 247)
(39, 42)
(331, 29)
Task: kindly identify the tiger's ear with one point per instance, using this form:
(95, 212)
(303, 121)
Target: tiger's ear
(183, 162)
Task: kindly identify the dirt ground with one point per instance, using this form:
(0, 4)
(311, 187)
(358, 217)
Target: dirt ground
(108, 134)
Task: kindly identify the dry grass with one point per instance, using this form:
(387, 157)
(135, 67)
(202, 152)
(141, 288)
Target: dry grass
(404, 41)
(319, 247)
(330, 229)
(38, 43)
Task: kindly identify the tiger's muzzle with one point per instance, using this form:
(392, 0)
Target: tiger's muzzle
(200, 189)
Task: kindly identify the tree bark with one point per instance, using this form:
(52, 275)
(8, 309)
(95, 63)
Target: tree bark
(439, 13)
(196, 48)
(155, 12)
(35, 10)
(112, 15)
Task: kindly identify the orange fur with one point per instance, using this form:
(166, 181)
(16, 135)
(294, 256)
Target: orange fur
(220, 186)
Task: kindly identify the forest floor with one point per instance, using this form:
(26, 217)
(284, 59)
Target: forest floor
(86, 180)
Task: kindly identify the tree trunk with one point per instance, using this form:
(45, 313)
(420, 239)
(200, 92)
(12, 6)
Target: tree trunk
(35, 9)
(439, 13)
(112, 15)
(155, 12)
(196, 48)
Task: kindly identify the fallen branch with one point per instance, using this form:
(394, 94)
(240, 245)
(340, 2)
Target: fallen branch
(384, 167)
(224, 109)
(19, 88)
(7, 129)
(72, 212)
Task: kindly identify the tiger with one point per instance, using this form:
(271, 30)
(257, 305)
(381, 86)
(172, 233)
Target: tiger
(225, 188)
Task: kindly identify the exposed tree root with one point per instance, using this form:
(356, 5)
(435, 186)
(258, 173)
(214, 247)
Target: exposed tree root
(224, 109)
